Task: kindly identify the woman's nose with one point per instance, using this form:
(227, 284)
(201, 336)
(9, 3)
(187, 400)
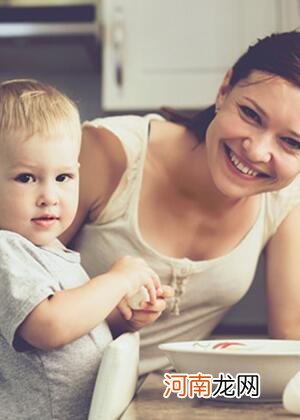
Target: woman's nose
(258, 150)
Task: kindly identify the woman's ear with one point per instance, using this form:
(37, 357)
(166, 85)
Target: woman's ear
(224, 89)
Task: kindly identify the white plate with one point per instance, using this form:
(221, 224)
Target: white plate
(275, 361)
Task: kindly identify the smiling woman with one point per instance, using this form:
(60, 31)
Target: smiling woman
(200, 198)
(258, 121)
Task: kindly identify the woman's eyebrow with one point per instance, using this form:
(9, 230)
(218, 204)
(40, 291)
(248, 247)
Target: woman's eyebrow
(293, 133)
(262, 111)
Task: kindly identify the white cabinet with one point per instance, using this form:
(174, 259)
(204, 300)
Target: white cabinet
(290, 14)
(175, 52)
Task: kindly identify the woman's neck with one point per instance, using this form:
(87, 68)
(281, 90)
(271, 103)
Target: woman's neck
(185, 164)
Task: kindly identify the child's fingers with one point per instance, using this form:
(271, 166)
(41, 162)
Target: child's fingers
(159, 306)
(141, 318)
(152, 291)
(167, 291)
(156, 281)
(125, 310)
(137, 298)
(154, 288)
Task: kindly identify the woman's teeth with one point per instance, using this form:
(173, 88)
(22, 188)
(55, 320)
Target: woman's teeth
(240, 166)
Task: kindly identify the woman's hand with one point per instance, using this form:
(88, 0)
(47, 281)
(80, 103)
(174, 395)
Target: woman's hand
(149, 312)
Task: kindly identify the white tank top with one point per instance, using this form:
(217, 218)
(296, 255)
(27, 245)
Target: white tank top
(204, 290)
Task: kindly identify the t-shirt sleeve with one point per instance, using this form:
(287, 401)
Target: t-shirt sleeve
(24, 282)
(132, 133)
(280, 204)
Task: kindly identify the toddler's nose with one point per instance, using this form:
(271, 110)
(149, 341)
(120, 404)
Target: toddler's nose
(43, 202)
(48, 197)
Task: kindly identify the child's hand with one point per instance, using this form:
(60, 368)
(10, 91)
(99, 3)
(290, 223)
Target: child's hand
(136, 301)
(150, 311)
(136, 273)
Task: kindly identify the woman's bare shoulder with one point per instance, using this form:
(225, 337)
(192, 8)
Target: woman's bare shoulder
(102, 164)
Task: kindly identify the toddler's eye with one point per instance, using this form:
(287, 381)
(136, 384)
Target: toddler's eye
(25, 178)
(63, 177)
(250, 113)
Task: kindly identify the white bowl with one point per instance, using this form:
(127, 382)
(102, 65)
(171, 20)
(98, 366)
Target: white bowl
(276, 361)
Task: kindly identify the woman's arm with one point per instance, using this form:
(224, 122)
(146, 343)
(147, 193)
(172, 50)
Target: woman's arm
(102, 164)
(283, 279)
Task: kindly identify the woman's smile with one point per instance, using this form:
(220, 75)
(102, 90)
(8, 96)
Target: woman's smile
(240, 167)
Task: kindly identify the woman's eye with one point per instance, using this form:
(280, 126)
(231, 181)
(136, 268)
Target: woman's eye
(25, 178)
(250, 113)
(292, 143)
(63, 177)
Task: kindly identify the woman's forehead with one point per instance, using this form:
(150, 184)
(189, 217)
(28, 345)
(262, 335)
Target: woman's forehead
(257, 77)
(268, 86)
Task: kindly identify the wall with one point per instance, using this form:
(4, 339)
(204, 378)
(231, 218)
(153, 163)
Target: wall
(70, 64)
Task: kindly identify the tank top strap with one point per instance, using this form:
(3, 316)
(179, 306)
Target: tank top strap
(133, 132)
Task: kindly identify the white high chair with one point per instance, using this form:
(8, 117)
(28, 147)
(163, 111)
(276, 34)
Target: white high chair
(117, 378)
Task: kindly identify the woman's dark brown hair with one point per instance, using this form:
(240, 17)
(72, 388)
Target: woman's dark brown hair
(277, 54)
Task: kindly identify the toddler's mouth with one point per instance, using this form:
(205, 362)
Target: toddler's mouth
(45, 221)
(46, 217)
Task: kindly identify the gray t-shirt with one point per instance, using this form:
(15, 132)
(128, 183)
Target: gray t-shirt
(37, 384)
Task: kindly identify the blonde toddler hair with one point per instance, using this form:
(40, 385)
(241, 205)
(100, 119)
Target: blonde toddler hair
(28, 107)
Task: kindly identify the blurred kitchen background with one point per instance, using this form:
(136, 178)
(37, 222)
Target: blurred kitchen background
(133, 56)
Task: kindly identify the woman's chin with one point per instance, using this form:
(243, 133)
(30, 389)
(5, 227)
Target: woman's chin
(230, 191)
